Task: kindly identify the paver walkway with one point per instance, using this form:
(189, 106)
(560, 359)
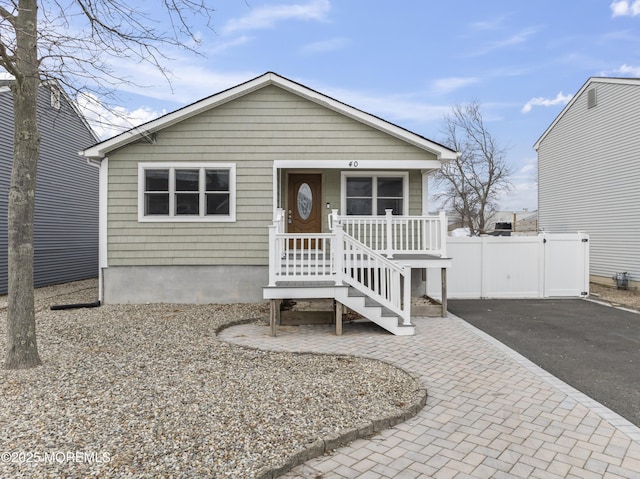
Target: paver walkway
(491, 413)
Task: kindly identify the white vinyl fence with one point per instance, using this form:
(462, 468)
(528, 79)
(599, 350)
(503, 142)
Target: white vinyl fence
(543, 266)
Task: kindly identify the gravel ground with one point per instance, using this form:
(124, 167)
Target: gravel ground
(626, 298)
(148, 391)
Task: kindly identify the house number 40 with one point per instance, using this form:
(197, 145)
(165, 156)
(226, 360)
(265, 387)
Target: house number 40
(353, 164)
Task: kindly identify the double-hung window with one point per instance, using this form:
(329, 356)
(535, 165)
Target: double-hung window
(366, 193)
(186, 192)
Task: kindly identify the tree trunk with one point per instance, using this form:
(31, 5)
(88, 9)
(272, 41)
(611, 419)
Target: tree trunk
(22, 348)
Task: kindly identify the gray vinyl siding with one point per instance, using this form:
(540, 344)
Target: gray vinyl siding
(250, 132)
(66, 207)
(589, 177)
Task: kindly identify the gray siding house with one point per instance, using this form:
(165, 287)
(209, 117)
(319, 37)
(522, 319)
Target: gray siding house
(66, 209)
(589, 174)
(234, 197)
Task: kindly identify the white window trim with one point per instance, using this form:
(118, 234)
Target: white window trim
(172, 218)
(374, 174)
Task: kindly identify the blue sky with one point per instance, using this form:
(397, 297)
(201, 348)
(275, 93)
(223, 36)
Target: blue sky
(410, 61)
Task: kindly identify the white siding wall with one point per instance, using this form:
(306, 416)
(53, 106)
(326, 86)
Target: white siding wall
(589, 177)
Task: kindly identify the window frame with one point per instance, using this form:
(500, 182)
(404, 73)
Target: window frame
(202, 193)
(374, 175)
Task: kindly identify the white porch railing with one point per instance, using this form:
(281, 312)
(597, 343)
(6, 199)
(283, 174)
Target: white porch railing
(299, 257)
(391, 234)
(342, 259)
(376, 276)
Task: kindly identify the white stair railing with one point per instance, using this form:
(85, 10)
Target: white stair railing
(342, 259)
(379, 278)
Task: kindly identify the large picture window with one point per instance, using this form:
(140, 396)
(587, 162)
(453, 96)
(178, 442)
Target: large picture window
(186, 192)
(373, 193)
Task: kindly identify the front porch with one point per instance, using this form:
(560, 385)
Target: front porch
(363, 263)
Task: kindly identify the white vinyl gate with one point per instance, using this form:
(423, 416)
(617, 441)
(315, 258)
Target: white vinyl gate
(543, 266)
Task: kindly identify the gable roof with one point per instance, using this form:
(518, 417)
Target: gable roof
(100, 150)
(5, 86)
(591, 81)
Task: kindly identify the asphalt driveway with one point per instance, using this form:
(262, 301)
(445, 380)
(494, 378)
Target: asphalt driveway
(594, 348)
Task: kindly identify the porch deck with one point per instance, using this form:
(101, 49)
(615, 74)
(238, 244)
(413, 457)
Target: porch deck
(363, 263)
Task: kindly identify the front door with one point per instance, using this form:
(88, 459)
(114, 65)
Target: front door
(304, 203)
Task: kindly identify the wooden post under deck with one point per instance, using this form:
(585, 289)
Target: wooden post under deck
(443, 276)
(273, 315)
(339, 308)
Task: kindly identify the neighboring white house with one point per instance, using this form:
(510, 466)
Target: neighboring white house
(269, 190)
(589, 174)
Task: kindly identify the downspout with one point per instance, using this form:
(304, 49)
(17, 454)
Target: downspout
(97, 303)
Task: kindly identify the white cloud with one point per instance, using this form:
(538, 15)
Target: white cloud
(560, 99)
(190, 81)
(399, 109)
(516, 39)
(224, 46)
(107, 122)
(267, 17)
(624, 8)
(628, 70)
(493, 24)
(324, 46)
(527, 168)
(447, 85)
(524, 193)
(194, 82)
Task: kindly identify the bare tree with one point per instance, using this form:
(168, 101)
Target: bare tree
(472, 183)
(75, 43)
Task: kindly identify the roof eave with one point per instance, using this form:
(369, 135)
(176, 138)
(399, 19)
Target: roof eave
(589, 82)
(101, 150)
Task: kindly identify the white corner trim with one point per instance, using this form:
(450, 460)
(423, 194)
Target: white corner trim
(103, 192)
(425, 193)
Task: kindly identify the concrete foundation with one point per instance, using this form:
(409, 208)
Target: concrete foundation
(183, 284)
